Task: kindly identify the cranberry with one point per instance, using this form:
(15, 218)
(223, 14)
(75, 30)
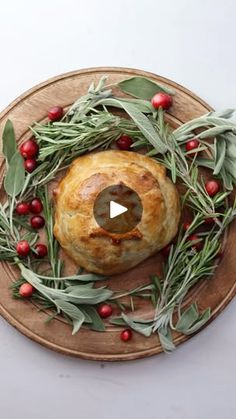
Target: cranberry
(30, 165)
(104, 311)
(41, 250)
(26, 290)
(29, 149)
(196, 246)
(212, 187)
(23, 248)
(209, 221)
(124, 142)
(126, 335)
(161, 100)
(36, 206)
(37, 222)
(22, 208)
(187, 225)
(191, 145)
(166, 250)
(55, 113)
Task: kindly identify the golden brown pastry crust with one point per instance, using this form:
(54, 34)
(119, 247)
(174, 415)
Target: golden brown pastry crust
(75, 226)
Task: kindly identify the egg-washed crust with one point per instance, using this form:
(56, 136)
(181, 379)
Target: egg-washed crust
(76, 229)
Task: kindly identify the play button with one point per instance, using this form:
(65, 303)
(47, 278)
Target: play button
(118, 209)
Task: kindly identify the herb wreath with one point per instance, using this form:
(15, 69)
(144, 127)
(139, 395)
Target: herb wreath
(89, 125)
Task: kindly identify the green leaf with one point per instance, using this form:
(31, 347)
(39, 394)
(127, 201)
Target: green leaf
(142, 105)
(226, 113)
(220, 151)
(173, 168)
(88, 296)
(9, 141)
(227, 179)
(213, 132)
(157, 282)
(187, 319)
(166, 340)
(203, 318)
(73, 312)
(96, 321)
(143, 328)
(205, 163)
(118, 321)
(230, 167)
(230, 145)
(76, 325)
(146, 127)
(142, 87)
(15, 177)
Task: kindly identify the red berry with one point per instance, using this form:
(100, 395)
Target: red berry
(126, 335)
(55, 113)
(23, 248)
(41, 250)
(124, 142)
(161, 100)
(166, 250)
(36, 206)
(22, 208)
(212, 187)
(37, 222)
(209, 221)
(26, 290)
(104, 311)
(191, 145)
(196, 246)
(187, 225)
(29, 149)
(30, 165)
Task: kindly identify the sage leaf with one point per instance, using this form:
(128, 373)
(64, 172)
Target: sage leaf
(143, 328)
(205, 163)
(203, 318)
(231, 145)
(9, 141)
(220, 151)
(87, 318)
(187, 319)
(76, 325)
(88, 296)
(227, 179)
(142, 105)
(230, 166)
(226, 113)
(142, 87)
(96, 321)
(166, 340)
(15, 177)
(73, 312)
(213, 132)
(118, 321)
(145, 126)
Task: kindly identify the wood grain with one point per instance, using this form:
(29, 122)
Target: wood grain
(215, 292)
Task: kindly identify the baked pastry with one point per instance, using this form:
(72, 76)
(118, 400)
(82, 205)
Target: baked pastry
(76, 229)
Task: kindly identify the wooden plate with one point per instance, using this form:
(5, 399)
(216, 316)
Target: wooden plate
(215, 292)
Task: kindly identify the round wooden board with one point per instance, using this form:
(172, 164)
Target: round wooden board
(215, 292)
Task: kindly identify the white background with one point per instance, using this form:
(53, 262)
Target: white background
(193, 43)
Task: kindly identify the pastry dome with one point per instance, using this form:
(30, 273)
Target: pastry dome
(98, 250)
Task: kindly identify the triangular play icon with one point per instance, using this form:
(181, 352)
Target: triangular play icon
(116, 209)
